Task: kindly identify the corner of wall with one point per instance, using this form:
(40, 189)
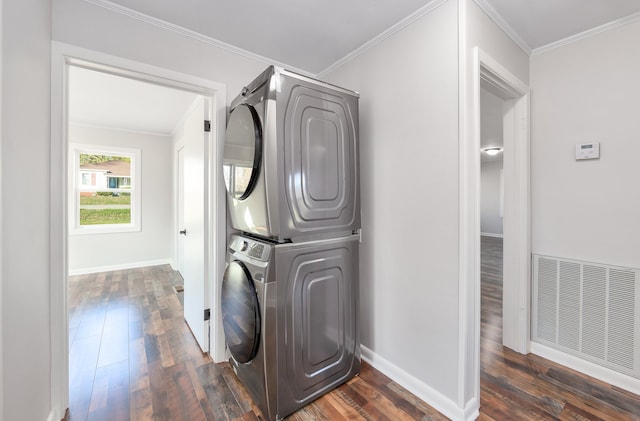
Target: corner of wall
(432, 397)
(1, 201)
(26, 98)
(52, 416)
(430, 6)
(472, 409)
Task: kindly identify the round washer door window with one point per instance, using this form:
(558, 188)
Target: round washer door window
(240, 312)
(242, 151)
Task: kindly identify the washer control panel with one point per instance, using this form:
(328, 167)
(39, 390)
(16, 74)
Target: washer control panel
(256, 251)
(250, 247)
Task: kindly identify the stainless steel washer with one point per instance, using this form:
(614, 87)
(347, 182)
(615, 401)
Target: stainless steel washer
(248, 303)
(289, 315)
(318, 338)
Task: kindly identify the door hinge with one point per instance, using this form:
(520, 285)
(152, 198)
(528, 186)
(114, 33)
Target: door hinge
(207, 125)
(207, 314)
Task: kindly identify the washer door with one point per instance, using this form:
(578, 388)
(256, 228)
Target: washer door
(240, 312)
(242, 151)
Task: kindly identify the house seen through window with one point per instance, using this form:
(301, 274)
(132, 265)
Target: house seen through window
(105, 194)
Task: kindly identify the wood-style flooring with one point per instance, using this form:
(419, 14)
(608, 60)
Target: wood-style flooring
(527, 387)
(132, 357)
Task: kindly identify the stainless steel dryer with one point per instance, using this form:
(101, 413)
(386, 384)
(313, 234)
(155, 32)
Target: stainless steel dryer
(291, 158)
(289, 316)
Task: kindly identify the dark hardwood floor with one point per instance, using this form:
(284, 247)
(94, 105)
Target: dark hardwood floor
(526, 387)
(132, 357)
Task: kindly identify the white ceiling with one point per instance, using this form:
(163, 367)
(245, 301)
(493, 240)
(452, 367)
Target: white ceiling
(104, 100)
(311, 35)
(304, 35)
(308, 35)
(538, 23)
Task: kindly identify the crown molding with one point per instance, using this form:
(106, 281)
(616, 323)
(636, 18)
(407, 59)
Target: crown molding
(483, 4)
(383, 36)
(134, 14)
(588, 33)
(113, 128)
(502, 24)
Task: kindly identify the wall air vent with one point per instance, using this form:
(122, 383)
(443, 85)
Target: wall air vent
(588, 310)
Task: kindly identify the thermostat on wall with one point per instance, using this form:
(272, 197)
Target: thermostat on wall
(588, 151)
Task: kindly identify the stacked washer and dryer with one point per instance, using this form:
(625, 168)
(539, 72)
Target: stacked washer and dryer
(290, 290)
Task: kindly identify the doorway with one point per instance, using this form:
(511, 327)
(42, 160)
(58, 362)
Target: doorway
(122, 302)
(513, 96)
(488, 73)
(65, 57)
(491, 220)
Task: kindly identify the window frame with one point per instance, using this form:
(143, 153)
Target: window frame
(76, 187)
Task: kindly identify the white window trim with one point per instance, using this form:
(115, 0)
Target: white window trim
(74, 180)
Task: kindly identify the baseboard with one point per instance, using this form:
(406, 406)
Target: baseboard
(472, 410)
(489, 234)
(132, 265)
(586, 367)
(423, 391)
(52, 416)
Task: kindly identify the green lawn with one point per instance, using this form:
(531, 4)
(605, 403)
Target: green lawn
(105, 200)
(105, 216)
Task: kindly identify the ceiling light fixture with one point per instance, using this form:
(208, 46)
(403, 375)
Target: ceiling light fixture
(492, 151)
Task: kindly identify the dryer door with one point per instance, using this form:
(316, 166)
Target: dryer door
(242, 151)
(240, 312)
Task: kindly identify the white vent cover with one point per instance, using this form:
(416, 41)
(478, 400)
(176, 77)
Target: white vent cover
(589, 310)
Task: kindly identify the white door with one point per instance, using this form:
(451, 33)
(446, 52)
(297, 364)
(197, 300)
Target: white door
(180, 210)
(191, 233)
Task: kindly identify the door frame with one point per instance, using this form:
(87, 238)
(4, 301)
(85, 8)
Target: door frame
(517, 228)
(516, 225)
(62, 56)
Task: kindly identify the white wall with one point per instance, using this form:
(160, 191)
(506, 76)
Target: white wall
(491, 119)
(26, 75)
(409, 181)
(584, 92)
(490, 218)
(1, 232)
(83, 24)
(153, 243)
(481, 31)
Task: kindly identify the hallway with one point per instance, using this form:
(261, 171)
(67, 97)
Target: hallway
(524, 387)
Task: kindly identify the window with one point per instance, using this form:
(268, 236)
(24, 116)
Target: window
(237, 179)
(104, 189)
(86, 179)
